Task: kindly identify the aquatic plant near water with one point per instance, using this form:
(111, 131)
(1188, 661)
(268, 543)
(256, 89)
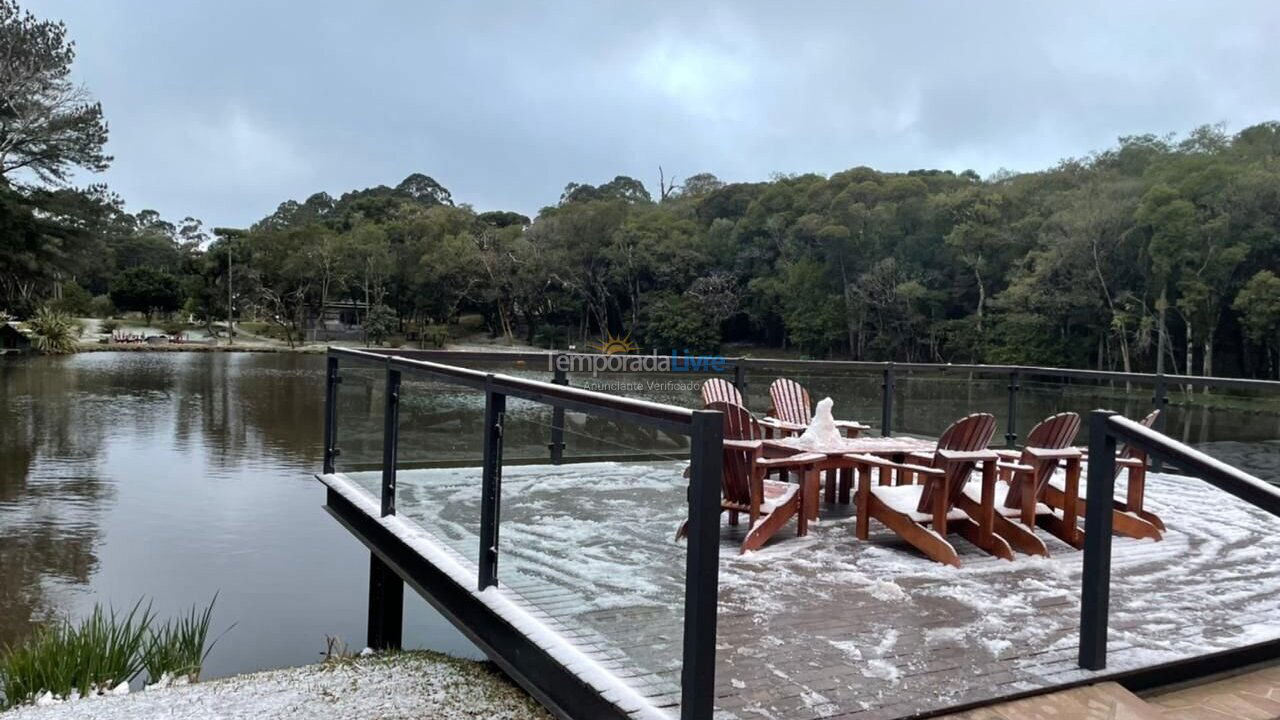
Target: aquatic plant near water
(75, 660)
(178, 648)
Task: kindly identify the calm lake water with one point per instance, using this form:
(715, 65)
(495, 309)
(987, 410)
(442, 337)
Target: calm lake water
(172, 476)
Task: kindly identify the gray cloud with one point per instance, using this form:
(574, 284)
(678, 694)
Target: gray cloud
(223, 110)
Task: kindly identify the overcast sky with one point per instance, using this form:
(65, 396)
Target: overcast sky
(224, 109)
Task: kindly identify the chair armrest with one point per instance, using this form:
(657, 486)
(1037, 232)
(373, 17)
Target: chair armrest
(1129, 462)
(1016, 467)
(1009, 454)
(967, 455)
(791, 461)
(1047, 454)
(926, 456)
(852, 424)
(781, 424)
(861, 459)
(743, 444)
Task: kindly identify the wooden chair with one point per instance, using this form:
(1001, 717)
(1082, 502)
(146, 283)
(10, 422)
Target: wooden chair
(1129, 517)
(908, 508)
(720, 390)
(792, 410)
(744, 488)
(1027, 472)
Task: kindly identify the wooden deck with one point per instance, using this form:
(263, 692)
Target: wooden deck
(830, 627)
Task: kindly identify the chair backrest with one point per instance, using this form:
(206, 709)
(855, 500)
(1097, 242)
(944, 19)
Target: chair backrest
(968, 434)
(1128, 451)
(790, 401)
(735, 477)
(1053, 433)
(720, 390)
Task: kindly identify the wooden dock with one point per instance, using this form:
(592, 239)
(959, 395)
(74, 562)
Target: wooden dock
(826, 626)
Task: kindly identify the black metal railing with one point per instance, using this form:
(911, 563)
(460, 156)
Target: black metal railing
(703, 427)
(890, 372)
(1106, 431)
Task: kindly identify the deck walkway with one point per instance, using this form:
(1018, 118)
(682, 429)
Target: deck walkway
(830, 627)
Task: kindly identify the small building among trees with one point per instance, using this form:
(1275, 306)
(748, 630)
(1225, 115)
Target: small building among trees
(13, 341)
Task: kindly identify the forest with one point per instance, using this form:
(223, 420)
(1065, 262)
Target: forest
(1160, 252)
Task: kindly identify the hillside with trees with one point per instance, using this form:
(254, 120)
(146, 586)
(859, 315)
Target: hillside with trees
(1166, 242)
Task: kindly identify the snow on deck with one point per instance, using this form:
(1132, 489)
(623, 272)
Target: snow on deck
(827, 626)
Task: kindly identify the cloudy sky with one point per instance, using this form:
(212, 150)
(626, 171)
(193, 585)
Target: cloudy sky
(222, 110)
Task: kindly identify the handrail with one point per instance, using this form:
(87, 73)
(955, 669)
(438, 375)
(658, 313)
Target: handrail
(1106, 429)
(544, 356)
(705, 431)
(647, 412)
(1191, 461)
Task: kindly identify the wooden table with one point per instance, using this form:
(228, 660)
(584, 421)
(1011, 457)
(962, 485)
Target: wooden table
(839, 470)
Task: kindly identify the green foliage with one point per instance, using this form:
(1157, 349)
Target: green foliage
(109, 326)
(437, 336)
(146, 290)
(75, 300)
(174, 327)
(675, 323)
(1258, 303)
(379, 323)
(179, 647)
(48, 126)
(102, 307)
(94, 655)
(54, 332)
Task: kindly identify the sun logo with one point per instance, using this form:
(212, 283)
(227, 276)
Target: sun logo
(615, 345)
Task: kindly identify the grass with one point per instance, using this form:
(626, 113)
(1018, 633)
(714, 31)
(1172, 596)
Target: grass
(178, 648)
(102, 651)
(95, 655)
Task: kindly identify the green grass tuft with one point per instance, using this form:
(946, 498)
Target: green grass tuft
(178, 647)
(103, 650)
(95, 655)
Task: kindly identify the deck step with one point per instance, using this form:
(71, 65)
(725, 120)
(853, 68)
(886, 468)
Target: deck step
(1249, 695)
(1104, 701)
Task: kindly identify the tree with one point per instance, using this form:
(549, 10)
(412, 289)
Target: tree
(48, 126)
(146, 290)
(1258, 303)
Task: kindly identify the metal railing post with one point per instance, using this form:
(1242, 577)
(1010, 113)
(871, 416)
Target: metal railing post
(390, 440)
(1095, 581)
(495, 407)
(560, 377)
(886, 402)
(331, 381)
(1160, 401)
(740, 378)
(702, 567)
(1011, 436)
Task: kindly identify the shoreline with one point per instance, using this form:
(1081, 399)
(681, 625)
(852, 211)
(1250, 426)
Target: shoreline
(393, 686)
(197, 347)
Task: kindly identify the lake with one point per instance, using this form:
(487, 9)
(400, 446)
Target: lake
(172, 476)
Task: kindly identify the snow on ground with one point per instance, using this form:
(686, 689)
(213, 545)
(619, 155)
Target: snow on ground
(604, 533)
(399, 686)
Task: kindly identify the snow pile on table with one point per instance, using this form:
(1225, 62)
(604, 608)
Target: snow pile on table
(822, 430)
(399, 686)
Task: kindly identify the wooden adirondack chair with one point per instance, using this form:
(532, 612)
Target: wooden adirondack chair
(1027, 472)
(793, 410)
(744, 488)
(1129, 517)
(720, 390)
(908, 508)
